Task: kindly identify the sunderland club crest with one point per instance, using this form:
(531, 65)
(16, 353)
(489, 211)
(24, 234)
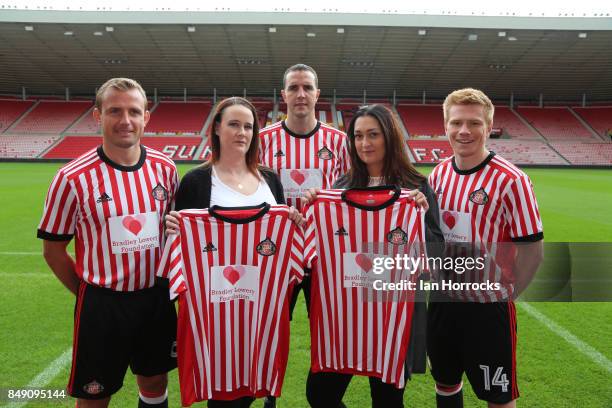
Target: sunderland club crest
(159, 193)
(93, 388)
(325, 153)
(479, 196)
(266, 247)
(397, 236)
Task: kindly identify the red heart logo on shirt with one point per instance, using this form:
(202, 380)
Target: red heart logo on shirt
(298, 176)
(364, 262)
(449, 219)
(135, 223)
(233, 273)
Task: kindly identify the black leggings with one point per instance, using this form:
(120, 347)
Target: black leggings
(244, 402)
(325, 390)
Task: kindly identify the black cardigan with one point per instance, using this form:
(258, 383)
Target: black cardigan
(196, 185)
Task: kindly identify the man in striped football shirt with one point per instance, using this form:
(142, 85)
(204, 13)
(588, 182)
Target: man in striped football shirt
(486, 204)
(112, 200)
(306, 153)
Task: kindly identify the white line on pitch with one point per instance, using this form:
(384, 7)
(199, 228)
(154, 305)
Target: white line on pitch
(46, 376)
(584, 348)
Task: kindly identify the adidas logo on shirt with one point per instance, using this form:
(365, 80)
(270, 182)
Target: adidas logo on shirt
(209, 247)
(104, 198)
(341, 231)
(279, 154)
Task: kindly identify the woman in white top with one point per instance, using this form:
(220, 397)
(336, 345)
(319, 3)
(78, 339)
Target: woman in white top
(231, 177)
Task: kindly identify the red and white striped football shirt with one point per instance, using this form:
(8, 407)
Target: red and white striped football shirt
(490, 204)
(314, 160)
(234, 269)
(115, 213)
(355, 329)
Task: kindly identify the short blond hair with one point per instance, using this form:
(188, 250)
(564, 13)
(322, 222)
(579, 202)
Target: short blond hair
(120, 84)
(469, 96)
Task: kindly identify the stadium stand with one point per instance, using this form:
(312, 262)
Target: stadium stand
(11, 110)
(281, 114)
(206, 152)
(346, 109)
(385, 102)
(567, 140)
(24, 146)
(422, 120)
(429, 151)
(176, 147)
(264, 111)
(512, 126)
(72, 146)
(598, 117)
(324, 113)
(555, 123)
(519, 152)
(584, 153)
(51, 117)
(186, 118)
(85, 125)
(522, 152)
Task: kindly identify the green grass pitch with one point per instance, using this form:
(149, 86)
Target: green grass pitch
(36, 310)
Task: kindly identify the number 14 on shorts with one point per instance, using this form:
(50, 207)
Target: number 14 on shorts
(499, 378)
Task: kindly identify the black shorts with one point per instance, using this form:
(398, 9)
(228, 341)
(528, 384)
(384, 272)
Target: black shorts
(114, 330)
(478, 339)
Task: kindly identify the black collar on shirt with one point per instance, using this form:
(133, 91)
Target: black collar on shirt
(137, 166)
(473, 169)
(391, 200)
(306, 136)
(265, 207)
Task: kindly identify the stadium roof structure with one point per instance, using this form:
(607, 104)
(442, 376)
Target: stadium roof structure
(562, 58)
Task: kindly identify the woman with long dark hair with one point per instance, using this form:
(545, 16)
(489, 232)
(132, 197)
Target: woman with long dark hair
(378, 157)
(231, 177)
(378, 152)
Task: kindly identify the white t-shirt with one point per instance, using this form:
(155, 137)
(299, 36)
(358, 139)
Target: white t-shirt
(223, 195)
